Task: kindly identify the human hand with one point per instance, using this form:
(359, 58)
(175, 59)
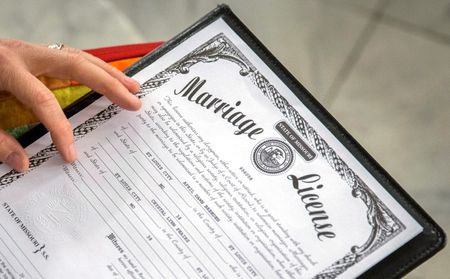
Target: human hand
(22, 62)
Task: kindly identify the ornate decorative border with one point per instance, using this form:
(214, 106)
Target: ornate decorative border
(50, 151)
(385, 225)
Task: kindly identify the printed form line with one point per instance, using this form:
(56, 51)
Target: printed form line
(15, 243)
(138, 232)
(168, 169)
(107, 224)
(115, 268)
(137, 216)
(137, 188)
(157, 198)
(6, 260)
(115, 219)
(143, 167)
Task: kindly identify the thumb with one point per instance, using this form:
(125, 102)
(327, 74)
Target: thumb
(12, 153)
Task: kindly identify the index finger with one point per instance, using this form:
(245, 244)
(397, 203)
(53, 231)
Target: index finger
(31, 92)
(71, 64)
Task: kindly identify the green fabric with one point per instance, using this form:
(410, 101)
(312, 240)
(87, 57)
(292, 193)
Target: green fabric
(18, 131)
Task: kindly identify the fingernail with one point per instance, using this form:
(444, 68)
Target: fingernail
(14, 160)
(71, 153)
(135, 86)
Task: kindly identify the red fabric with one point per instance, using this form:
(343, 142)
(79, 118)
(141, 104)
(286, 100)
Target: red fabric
(114, 53)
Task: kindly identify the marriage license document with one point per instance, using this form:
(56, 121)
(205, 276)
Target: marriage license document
(223, 173)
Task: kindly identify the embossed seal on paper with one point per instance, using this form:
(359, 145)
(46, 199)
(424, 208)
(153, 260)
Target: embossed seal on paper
(56, 213)
(272, 156)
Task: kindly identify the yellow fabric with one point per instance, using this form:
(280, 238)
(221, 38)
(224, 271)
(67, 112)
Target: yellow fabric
(14, 114)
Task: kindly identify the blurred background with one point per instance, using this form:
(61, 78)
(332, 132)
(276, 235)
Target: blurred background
(381, 67)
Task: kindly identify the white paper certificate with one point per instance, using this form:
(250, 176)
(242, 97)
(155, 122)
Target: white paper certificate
(223, 173)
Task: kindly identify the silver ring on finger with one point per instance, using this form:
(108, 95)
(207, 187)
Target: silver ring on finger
(57, 46)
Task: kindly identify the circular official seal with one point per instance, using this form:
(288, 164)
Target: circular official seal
(272, 156)
(57, 214)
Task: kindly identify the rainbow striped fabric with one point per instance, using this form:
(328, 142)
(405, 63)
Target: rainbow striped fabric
(16, 118)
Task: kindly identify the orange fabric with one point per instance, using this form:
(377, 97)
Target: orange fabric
(124, 63)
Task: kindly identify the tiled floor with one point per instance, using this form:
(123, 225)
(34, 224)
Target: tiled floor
(382, 67)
